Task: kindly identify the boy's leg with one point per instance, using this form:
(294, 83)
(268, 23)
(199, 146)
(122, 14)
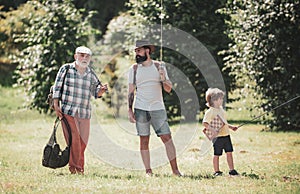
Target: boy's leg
(218, 150)
(230, 160)
(216, 163)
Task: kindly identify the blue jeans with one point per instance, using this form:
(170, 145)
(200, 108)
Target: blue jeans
(157, 118)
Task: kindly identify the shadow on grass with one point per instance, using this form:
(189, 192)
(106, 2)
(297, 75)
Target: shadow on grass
(251, 175)
(116, 177)
(199, 176)
(129, 177)
(189, 176)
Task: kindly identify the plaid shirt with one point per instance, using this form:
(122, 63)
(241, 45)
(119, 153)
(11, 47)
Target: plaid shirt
(77, 91)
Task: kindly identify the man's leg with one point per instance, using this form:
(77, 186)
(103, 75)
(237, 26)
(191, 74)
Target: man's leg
(171, 152)
(76, 145)
(144, 149)
(84, 131)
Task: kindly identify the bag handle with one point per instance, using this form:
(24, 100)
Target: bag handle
(69, 130)
(52, 139)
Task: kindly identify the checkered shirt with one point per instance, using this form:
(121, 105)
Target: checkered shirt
(216, 123)
(77, 91)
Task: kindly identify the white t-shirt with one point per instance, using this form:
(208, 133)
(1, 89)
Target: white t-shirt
(149, 89)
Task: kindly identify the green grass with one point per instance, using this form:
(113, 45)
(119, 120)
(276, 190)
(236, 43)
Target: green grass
(268, 162)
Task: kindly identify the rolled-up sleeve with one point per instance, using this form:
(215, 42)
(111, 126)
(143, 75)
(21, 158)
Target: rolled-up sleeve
(59, 81)
(96, 83)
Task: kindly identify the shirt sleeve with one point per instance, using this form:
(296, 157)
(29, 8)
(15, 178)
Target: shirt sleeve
(166, 73)
(207, 116)
(130, 75)
(59, 81)
(95, 85)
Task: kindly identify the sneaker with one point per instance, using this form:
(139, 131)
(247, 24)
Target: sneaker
(233, 172)
(80, 171)
(218, 173)
(178, 174)
(149, 173)
(72, 169)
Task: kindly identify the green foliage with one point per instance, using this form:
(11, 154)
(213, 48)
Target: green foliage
(201, 20)
(50, 40)
(265, 166)
(266, 49)
(13, 23)
(11, 4)
(104, 10)
(206, 25)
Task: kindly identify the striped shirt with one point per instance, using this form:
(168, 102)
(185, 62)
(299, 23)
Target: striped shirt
(77, 91)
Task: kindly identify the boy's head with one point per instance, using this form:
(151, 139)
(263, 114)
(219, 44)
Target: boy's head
(212, 95)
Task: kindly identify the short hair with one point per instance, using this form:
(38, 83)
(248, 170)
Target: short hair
(213, 94)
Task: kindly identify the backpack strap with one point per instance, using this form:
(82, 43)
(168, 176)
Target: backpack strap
(135, 66)
(157, 64)
(63, 83)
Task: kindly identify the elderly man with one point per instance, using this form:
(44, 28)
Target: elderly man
(148, 77)
(78, 84)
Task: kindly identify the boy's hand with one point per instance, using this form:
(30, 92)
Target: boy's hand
(234, 128)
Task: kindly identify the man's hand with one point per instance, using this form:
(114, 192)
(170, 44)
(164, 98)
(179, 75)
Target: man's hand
(103, 89)
(57, 109)
(162, 74)
(131, 116)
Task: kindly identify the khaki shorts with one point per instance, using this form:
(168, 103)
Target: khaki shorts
(157, 119)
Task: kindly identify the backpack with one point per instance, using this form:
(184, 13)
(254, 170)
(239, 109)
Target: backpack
(50, 100)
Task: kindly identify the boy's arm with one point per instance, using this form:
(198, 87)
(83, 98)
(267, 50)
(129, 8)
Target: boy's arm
(206, 125)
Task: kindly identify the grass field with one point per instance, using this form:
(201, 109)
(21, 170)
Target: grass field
(268, 162)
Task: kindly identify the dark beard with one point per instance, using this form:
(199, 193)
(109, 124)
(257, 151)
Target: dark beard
(140, 59)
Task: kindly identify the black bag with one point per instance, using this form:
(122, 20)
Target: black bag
(53, 156)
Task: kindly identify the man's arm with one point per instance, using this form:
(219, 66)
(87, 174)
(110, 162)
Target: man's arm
(167, 85)
(102, 89)
(131, 88)
(57, 109)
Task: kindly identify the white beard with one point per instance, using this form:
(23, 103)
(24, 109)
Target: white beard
(84, 65)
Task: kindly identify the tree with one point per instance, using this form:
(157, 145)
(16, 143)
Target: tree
(105, 10)
(266, 49)
(202, 20)
(50, 40)
(14, 23)
(9, 4)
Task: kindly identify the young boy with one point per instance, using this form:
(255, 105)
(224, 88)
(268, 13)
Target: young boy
(214, 99)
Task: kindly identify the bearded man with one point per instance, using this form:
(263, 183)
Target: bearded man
(145, 82)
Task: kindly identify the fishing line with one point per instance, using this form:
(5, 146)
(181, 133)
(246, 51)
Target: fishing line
(161, 30)
(269, 111)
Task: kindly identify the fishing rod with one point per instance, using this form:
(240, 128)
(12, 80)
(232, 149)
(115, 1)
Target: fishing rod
(269, 111)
